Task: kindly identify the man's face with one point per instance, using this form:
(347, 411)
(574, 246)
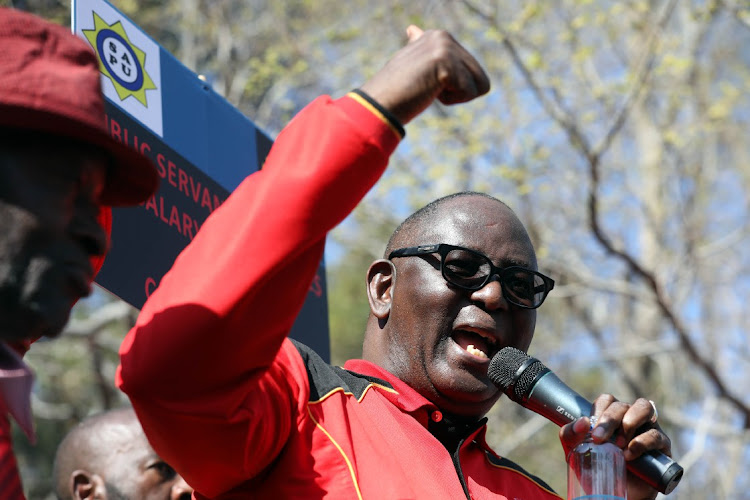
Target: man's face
(135, 471)
(49, 196)
(431, 323)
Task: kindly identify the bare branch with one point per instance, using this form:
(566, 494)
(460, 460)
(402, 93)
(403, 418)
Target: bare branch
(643, 69)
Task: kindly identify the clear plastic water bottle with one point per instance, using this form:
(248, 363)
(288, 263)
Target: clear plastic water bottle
(596, 471)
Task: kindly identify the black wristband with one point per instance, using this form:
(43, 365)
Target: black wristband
(386, 114)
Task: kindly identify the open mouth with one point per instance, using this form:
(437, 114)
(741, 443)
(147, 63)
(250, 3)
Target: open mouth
(479, 344)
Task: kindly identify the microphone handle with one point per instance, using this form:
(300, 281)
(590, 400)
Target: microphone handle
(654, 467)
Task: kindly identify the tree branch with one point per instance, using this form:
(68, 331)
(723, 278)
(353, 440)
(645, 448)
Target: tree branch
(660, 295)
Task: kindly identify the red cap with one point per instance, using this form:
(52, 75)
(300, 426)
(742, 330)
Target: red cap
(49, 82)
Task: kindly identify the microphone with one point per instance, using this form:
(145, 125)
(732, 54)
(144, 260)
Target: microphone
(529, 383)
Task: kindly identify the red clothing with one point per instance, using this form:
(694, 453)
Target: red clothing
(15, 392)
(10, 480)
(239, 410)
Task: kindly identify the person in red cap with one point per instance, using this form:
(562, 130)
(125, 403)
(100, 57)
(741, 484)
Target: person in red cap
(60, 172)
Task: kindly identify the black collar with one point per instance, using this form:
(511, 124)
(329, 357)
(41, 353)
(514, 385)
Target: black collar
(452, 430)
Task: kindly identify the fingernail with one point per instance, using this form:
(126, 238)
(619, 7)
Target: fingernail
(598, 432)
(580, 425)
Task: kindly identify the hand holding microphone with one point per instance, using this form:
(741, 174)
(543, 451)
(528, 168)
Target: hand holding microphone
(529, 383)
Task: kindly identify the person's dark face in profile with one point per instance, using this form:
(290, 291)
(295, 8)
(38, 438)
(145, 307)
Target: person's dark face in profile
(431, 324)
(49, 202)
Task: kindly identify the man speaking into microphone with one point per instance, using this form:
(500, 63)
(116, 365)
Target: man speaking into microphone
(241, 411)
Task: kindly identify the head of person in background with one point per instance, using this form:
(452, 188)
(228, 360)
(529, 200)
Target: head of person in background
(108, 457)
(60, 172)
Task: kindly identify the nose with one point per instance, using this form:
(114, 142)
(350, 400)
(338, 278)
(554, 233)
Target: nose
(491, 295)
(85, 227)
(181, 490)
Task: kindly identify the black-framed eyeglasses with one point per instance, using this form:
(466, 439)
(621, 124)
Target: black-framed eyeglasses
(471, 270)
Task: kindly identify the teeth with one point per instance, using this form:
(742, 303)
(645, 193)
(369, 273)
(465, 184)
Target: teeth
(487, 337)
(476, 352)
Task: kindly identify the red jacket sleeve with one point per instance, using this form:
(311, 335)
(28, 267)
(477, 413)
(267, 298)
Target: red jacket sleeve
(204, 366)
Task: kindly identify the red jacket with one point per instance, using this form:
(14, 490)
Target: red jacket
(243, 412)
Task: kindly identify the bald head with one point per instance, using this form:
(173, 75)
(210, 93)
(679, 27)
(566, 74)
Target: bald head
(84, 448)
(108, 456)
(432, 214)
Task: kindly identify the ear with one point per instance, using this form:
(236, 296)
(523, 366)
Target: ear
(84, 484)
(381, 276)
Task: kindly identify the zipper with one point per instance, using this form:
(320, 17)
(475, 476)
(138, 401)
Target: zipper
(457, 465)
(455, 456)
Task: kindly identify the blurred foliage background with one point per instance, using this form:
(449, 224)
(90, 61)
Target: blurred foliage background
(617, 130)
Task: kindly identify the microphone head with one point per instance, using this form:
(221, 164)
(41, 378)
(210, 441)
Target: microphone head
(514, 372)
